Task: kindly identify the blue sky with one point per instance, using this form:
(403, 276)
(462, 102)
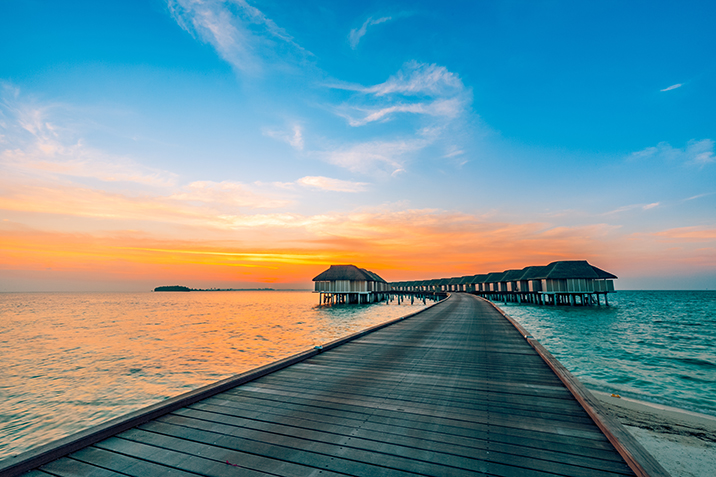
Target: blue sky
(302, 125)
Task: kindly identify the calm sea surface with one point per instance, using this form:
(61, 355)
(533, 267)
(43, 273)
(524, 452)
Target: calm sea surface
(654, 346)
(73, 360)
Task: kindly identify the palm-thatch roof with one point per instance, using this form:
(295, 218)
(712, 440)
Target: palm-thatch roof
(512, 275)
(347, 272)
(536, 272)
(575, 269)
(560, 270)
(480, 278)
(494, 277)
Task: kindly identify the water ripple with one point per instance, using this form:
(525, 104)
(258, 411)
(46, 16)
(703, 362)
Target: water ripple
(652, 346)
(73, 360)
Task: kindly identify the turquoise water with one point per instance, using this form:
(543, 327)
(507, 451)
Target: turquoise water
(654, 346)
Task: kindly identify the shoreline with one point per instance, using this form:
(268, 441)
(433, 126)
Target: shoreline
(683, 442)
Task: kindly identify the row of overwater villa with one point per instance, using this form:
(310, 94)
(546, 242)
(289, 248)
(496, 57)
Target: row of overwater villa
(566, 282)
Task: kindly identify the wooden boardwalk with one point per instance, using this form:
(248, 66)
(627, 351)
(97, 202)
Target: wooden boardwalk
(454, 390)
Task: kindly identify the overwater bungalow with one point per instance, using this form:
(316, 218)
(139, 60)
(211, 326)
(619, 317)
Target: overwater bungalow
(350, 284)
(464, 283)
(492, 282)
(477, 283)
(565, 282)
(454, 284)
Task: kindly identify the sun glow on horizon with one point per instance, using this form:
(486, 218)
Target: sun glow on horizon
(395, 249)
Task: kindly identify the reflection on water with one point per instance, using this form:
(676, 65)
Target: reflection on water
(73, 360)
(657, 346)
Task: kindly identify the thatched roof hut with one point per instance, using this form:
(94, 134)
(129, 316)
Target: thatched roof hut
(349, 279)
(347, 272)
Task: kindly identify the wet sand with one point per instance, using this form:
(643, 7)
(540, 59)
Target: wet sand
(683, 442)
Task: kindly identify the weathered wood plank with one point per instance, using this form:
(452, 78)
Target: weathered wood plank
(525, 444)
(67, 467)
(123, 464)
(406, 446)
(278, 458)
(421, 424)
(555, 390)
(336, 456)
(36, 473)
(152, 459)
(465, 402)
(575, 428)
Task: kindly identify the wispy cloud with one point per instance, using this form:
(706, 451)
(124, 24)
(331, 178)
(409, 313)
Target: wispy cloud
(698, 153)
(453, 151)
(673, 86)
(420, 79)
(48, 168)
(329, 184)
(436, 97)
(357, 33)
(376, 157)
(229, 193)
(294, 137)
(696, 233)
(240, 33)
(448, 108)
(627, 208)
(418, 88)
(36, 143)
(699, 196)
(215, 205)
(428, 93)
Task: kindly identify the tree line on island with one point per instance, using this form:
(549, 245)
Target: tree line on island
(181, 288)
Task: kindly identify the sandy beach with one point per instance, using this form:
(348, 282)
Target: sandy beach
(683, 442)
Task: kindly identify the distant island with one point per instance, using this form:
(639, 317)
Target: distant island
(181, 288)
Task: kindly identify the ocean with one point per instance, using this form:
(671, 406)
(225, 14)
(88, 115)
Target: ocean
(73, 360)
(653, 346)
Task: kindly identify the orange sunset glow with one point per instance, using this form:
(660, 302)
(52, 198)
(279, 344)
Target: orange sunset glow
(399, 245)
(219, 151)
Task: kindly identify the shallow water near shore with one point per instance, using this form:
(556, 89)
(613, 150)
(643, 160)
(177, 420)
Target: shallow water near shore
(653, 346)
(74, 360)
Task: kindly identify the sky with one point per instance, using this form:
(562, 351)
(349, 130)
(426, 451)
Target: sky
(253, 143)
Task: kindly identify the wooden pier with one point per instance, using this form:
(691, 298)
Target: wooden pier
(457, 389)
